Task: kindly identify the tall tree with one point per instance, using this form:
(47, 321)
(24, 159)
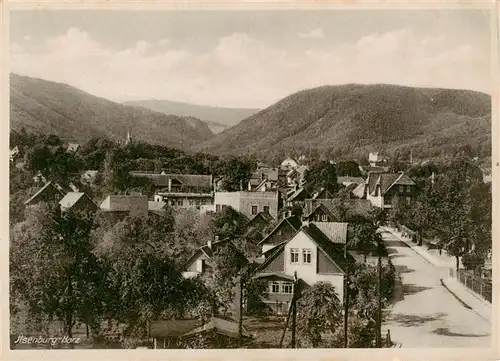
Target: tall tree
(66, 278)
(318, 311)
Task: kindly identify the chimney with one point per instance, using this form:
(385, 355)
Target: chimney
(209, 244)
(170, 184)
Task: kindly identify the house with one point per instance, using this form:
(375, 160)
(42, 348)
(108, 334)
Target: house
(73, 148)
(180, 190)
(353, 207)
(313, 256)
(266, 179)
(298, 195)
(14, 153)
(248, 203)
(48, 193)
(281, 233)
(376, 159)
(382, 188)
(199, 263)
(78, 201)
(179, 333)
(289, 163)
(296, 175)
(320, 214)
(133, 205)
(261, 220)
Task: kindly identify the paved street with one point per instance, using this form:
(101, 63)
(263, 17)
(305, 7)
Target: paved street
(424, 313)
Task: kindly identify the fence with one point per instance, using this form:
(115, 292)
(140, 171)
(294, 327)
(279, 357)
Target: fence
(481, 286)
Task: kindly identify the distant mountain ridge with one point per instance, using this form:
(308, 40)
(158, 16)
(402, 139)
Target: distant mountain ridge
(353, 119)
(74, 115)
(217, 118)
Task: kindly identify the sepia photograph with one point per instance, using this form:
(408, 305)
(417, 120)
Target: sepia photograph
(250, 179)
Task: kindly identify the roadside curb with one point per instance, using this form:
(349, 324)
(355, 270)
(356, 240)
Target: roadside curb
(469, 300)
(418, 249)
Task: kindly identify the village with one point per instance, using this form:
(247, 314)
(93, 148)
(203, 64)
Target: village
(304, 253)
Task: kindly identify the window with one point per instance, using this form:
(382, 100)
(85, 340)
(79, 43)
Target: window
(324, 218)
(306, 255)
(286, 287)
(408, 189)
(254, 210)
(266, 209)
(179, 202)
(294, 255)
(217, 207)
(191, 202)
(274, 287)
(401, 189)
(408, 201)
(224, 207)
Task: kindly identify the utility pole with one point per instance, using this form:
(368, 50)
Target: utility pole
(379, 298)
(240, 315)
(346, 300)
(292, 312)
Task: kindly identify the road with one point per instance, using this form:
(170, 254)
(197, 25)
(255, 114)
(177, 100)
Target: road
(425, 313)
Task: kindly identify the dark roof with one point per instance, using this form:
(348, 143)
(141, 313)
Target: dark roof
(265, 216)
(293, 221)
(334, 251)
(386, 181)
(353, 205)
(172, 328)
(220, 325)
(209, 251)
(188, 180)
(297, 193)
(41, 190)
(375, 169)
(318, 207)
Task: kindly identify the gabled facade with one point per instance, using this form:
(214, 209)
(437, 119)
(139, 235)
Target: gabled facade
(376, 159)
(78, 201)
(289, 163)
(281, 233)
(262, 219)
(320, 214)
(73, 148)
(382, 188)
(313, 256)
(199, 263)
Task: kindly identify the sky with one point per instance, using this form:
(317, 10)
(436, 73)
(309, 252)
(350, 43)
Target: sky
(249, 58)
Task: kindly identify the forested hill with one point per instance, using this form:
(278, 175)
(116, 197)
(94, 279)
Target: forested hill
(74, 115)
(351, 120)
